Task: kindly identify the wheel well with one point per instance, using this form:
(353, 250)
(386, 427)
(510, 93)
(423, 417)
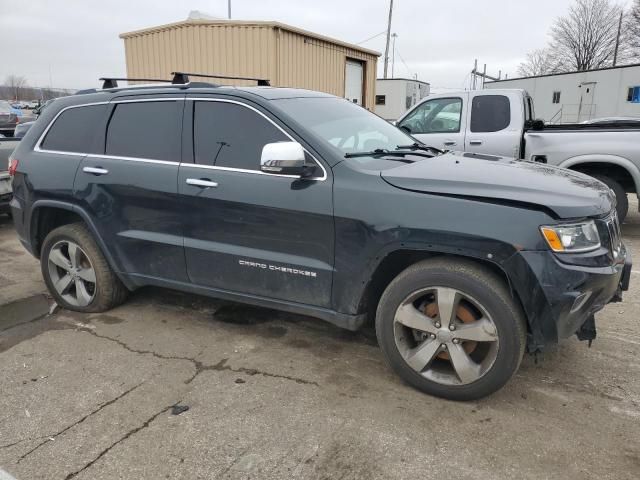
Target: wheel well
(611, 170)
(399, 260)
(47, 219)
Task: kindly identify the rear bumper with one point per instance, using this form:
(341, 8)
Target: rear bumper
(558, 298)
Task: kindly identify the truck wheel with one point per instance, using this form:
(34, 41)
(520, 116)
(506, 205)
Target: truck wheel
(622, 202)
(76, 272)
(451, 329)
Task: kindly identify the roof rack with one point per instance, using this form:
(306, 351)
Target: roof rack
(184, 77)
(112, 82)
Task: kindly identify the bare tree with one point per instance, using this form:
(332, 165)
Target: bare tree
(16, 85)
(586, 38)
(540, 62)
(632, 27)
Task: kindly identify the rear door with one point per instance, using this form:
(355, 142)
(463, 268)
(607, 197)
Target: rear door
(495, 124)
(247, 231)
(129, 188)
(439, 122)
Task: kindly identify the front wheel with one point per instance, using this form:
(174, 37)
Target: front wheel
(451, 329)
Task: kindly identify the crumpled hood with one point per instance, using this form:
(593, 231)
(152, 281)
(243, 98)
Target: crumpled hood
(567, 193)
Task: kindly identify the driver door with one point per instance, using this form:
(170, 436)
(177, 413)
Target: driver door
(438, 122)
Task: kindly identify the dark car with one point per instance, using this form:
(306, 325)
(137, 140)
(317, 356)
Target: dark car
(304, 202)
(8, 118)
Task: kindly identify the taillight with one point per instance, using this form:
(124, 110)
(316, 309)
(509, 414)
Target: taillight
(13, 166)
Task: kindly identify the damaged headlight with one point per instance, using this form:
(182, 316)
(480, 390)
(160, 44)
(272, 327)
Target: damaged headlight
(577, 237)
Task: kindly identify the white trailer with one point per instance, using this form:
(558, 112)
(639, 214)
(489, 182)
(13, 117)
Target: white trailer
(394, 96)
(580, 96)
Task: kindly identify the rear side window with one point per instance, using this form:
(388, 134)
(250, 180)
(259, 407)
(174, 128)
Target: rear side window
(490, 113)
(230, 135)
(150, 130)
(75, 130)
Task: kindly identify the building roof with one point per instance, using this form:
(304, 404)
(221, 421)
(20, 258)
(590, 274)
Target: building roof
(402, 78)
(567, 73)
(247, 23)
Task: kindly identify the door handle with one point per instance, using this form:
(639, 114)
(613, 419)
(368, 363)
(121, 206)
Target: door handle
(475, 142)
(201, 182)
(95, 170)
(449, 143)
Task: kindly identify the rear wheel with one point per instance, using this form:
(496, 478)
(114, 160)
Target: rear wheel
(76, 272)
(450, 328)
(622, 202)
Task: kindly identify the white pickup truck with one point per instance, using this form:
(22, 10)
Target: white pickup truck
(502, 122)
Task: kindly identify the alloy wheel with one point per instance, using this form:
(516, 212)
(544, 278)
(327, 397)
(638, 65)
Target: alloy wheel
(71, 273)
(446, 335)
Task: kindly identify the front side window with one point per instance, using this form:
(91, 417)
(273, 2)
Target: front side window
(231, 135)
(75, 129)
(441, 115)
(149, 130)
(490, 113)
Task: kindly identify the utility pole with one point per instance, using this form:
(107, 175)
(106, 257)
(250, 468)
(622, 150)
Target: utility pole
(393, 55)
(229, 9)
(615, 53)
(475, 69)
(484, 75)
(386, 50)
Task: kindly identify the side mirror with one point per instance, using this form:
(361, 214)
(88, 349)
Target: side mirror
(536, 124)
(284, 158)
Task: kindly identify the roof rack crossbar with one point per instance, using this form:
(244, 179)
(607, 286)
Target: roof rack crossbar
(112, 82)
(262, 82)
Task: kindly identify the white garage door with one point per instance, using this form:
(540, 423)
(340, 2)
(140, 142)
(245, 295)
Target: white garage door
(354, 78)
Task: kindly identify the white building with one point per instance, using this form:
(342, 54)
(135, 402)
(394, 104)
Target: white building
(394, 96)
(578, 96)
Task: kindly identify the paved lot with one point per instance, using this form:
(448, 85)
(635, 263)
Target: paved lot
(275, 396)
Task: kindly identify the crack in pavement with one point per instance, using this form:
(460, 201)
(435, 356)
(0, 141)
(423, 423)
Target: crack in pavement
(222, 366)
(122, 439)
(201, 367)
(50, 438)
(33, 320)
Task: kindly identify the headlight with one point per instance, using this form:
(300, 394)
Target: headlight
(577, 237)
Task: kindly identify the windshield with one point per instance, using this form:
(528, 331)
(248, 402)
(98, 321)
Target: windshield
(349, 128)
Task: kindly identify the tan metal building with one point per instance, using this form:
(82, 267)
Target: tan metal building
(286, 55)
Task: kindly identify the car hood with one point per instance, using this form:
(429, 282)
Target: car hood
(567, 193)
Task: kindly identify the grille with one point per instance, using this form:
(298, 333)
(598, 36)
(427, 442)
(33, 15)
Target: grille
(615, 236)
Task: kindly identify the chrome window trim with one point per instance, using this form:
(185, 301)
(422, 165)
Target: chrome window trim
(244, 170)
(132, 159)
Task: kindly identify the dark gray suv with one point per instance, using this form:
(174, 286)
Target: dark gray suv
(301, 201)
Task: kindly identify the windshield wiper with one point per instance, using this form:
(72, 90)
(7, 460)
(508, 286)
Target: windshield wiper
(383, 152)
(418, 146)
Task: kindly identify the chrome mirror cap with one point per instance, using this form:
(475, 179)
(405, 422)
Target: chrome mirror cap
(283, 158)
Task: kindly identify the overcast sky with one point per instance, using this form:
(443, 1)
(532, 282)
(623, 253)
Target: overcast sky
(70, 43)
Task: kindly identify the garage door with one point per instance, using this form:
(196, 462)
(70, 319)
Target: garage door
(354, 78)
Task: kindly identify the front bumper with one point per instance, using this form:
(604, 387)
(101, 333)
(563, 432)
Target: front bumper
(559, 298)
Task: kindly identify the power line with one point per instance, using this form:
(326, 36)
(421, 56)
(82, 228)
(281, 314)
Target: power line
(371, 38)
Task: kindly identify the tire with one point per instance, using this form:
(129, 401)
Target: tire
(483, 295)
(622, 202)
(105, 292)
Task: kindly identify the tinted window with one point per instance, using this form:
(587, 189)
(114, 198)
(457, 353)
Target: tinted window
(441, 115)
(490, 113)
(145, 130)
(230, 135)
(75, 130)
